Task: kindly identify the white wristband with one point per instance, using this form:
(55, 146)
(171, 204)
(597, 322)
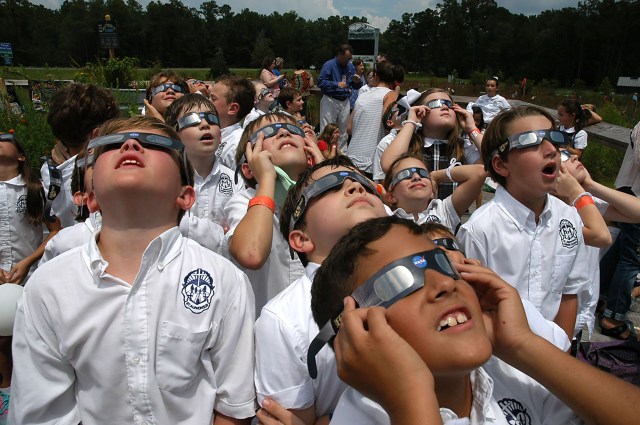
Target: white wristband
(453, 163)
(416, 124)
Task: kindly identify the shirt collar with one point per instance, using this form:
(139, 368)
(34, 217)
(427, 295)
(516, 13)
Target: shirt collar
(214, 171)
(516, 211)
(481, 406)
(224, 132)
(16, 181)
(311, 269)
(161, 251)
(428, 142)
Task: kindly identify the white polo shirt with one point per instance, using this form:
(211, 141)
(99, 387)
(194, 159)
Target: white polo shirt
(438, 211)
(279, 271)
(205, 222)
(579, 140)
(283, 334)
(63, 206)
(18, 237)
(383, 144)
(168, 349)
(543, 261)
(502, 395)
(251, 116)
(71, 237)
(491, 106)
(226, 152)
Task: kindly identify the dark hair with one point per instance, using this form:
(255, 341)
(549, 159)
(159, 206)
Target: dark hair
(77, 109)
(251, 128)
(478, 110)
(334, 279)
(344, 48)
(267, 61)
(241, 91)
(299, 66)
(494, 78)
(384, 72)
(386, 116)
(573, 107)
(383, 57)
(432, 227)
(388, 177)
(186, 103)
(77, 184)
(455, 145)
(304, 180)
(496, 134)
(142, 122)
(162, 77)
(327, 132)
(35, 194)
(398, 73)
(287, 94)
(356, 62)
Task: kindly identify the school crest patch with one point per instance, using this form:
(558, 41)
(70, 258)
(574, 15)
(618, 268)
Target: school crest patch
(432, 219)
(514, 412)
(224, 185)
(568, 234)
(21, 205)
(197, 290)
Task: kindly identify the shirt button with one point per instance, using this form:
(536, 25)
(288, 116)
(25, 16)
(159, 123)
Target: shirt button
(136, 360)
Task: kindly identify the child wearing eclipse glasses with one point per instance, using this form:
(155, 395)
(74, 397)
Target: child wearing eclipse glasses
(272, 153)
(140, 324)
(446, 345)
(195, 119)
(532, 240)
(410, 190)
(264, 99)
(328, 200)
(164, 88)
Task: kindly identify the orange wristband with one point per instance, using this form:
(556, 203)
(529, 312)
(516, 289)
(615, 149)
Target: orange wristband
(583, 201)
(265, 201)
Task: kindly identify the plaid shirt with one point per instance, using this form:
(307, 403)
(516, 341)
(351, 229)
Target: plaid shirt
(437, 157)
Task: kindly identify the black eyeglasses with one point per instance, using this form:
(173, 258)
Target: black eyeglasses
(439, 103)
(407, 173)
(165, 87)
(390, 284)
(324, 184)
(272, 129)
(532, 138)
(195, 118)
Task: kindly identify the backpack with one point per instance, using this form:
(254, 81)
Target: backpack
(619, 358)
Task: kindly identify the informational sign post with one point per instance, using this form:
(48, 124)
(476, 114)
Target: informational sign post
(108, 33)
(6, 52)
(364, 40)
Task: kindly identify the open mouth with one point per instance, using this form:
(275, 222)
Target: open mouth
(129, 163)
(207, 137)
(452, 320)
(549, 170)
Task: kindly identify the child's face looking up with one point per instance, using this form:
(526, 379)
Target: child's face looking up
(442, 118)
(202, 139)
(573, 165)
(414, 188)
(442, 321)
(286, 148)
(531, 172)
(162, 100)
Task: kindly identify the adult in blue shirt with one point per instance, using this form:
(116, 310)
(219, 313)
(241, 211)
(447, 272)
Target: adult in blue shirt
(335, 81)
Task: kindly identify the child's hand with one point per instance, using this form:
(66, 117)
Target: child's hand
(260, 161)
(416, 113)
(4, 276)
(272, 413)
(18, 272)
(313, 151)
(465, 118)
(151, 111)
(375, 360)
(504, 316)
(567, 187)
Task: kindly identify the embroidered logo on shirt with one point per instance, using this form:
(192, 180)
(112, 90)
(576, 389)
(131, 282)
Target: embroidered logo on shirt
(197, 290)
(432, 219)
(224, 185)
(21, 205)
(568, 234)
(514, 412)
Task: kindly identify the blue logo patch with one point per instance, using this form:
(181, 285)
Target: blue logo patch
(419, 261)
(197, 290)
(344, 173)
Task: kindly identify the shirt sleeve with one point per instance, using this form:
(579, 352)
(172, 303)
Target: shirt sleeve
(42, 385)
(202, 230)
(471, 246)
(232, 353)
(580, 141)
(325, 78)
(281, 373)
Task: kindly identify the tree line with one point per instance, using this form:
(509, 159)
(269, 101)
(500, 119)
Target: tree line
(587, 43)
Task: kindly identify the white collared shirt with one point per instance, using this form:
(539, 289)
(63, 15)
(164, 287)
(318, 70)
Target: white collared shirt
(63, 206)
(226, 152)
(629, 174)
(279, 271)
(71, 237)
(543, 261)
(251, 116)
(18, 237)
(437, 211)
(491, 106)
(383, 144)
(168, 349)
(580, 138)
(284, 332)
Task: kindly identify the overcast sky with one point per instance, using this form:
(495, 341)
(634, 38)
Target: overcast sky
(378, 12)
